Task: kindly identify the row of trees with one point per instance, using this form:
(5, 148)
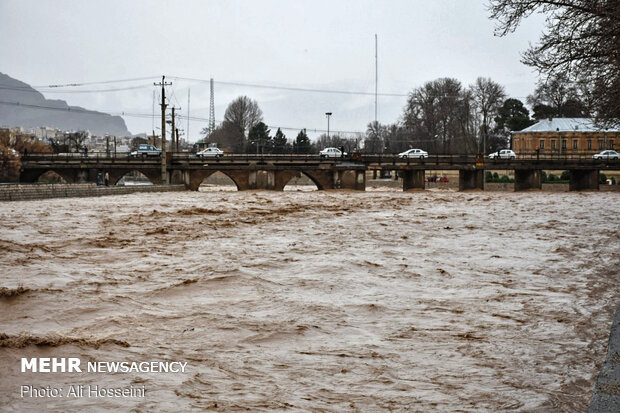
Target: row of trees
(577, 56)
(442, 116)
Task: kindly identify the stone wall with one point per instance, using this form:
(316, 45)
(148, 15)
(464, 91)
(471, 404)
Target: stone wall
(606, 394)
(42, 191)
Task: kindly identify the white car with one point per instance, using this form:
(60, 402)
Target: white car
(414, 153)
(503, 154)
(210, 153)
(332, 153)
(609, 154)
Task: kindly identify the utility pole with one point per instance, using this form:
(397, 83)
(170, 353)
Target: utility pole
(174, 141)
(163, 84)
(187, 135)
(172, 129)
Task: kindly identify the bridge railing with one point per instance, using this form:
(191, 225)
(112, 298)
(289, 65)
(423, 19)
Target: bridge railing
(568, 156)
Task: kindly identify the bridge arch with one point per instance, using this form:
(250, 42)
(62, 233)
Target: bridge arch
(321, 178)
(51, 177)
(301, 178)
(196, 177)
(40, 175)
(132, 175)
(220, 180)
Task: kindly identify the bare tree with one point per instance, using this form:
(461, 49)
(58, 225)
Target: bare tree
(243, 113)
(488, 96)
(69, 142)
(581, 41)
(558, 96)
(229, 137)
(376, 136)
(438, 117)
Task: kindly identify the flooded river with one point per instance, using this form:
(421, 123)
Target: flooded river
(313, 301)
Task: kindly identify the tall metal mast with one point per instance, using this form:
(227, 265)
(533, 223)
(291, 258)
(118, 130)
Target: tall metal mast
(187, 134)
(376, 75)
(212, 110)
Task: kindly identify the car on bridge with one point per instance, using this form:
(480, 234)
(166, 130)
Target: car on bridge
(503, 154)
(145, 150)
(210, 153)
(332, 153)
(414, 153)
(609, 154)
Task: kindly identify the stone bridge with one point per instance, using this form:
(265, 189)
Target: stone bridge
(273, 172)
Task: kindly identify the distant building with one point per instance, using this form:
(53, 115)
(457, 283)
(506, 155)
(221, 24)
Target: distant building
(566, 136)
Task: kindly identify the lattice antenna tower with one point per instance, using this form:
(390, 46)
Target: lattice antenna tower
(212, 110)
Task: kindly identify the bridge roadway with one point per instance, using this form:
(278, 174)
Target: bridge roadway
(275, 171)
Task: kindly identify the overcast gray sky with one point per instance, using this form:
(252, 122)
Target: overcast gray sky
(301, 44)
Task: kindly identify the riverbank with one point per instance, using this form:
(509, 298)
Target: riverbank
(606, 395)
(45, 191)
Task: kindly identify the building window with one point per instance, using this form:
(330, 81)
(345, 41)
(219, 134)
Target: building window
(611, 144)
(600, 144)
(552, 143)
(589, 143)
(575, 144)
(541, 145)
(563, 143)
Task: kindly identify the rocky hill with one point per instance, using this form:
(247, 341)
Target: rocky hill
(21, 105)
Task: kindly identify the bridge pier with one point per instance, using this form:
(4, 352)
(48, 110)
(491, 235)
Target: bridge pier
(356, 180)
(413, 179)
(526, 179)
(471, 179)
(260, 179)
(583, 179)
(360, 180)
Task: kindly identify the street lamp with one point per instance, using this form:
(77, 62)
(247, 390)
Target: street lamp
(328, 114)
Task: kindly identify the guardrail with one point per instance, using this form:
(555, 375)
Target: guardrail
(356, 157)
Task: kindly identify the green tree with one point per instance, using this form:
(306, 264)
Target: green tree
(280, 144)
(259, 140)
(302, 143)
(513, 116)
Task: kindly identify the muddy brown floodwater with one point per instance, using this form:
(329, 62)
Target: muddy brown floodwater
(313, 301)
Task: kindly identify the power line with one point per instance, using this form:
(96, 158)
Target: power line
(149, 116)
(199, 119)
(41, 90)
(291, 88)
(99, 82)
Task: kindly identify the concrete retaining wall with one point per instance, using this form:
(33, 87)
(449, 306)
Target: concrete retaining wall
(606, 395)
(41, 191)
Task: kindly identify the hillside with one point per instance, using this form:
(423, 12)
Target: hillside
(34, 110)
